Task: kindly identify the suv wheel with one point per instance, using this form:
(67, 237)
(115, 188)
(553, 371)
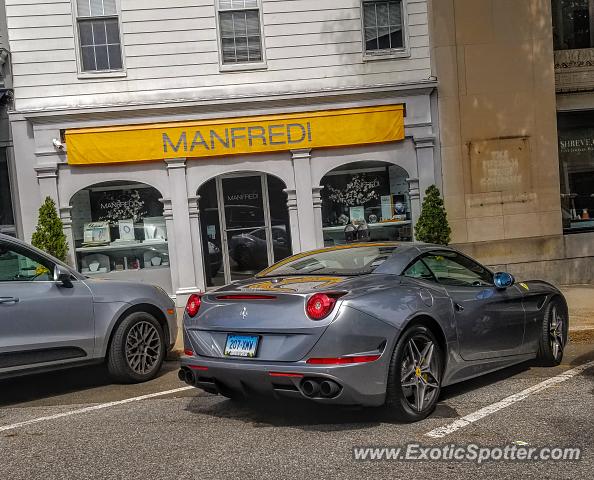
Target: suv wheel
(137, 349)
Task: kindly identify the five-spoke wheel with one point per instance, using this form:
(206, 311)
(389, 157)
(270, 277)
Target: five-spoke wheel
(415, 374)
(553, 337)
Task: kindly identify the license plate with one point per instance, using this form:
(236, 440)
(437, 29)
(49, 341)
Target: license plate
(241, 346)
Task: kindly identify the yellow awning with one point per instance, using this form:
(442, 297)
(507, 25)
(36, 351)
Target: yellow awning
(235, 136)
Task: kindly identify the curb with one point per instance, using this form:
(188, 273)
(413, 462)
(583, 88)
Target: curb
(582, 336)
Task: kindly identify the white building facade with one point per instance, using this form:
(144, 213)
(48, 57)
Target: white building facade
(189, 143)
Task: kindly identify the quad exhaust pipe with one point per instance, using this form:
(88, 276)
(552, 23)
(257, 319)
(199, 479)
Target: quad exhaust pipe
(186, 375)
(313, 388)
(329, 389)
(310, 388)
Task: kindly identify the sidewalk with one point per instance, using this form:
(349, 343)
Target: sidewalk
(580, 299)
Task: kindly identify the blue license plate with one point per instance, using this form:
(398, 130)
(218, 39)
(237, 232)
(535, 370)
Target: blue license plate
(241, 346)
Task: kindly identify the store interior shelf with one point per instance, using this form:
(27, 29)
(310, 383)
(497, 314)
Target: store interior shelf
(372, 226)
(128, 246)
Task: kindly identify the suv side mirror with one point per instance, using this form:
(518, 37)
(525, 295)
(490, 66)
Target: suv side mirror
(503, 280)
(62, 276)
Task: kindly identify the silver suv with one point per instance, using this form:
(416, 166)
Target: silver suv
(52, 317)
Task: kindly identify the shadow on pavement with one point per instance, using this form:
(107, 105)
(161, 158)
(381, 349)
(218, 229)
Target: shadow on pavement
(461, 388)
(308, 416)
(28, 388)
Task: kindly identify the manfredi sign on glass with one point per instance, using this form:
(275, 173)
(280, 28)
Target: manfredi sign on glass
(235, 136)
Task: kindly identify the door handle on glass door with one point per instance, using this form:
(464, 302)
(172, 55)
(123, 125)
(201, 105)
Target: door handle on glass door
(9, 300)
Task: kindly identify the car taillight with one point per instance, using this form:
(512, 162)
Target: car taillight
(193, 305)
(319, 306)
(343, 360)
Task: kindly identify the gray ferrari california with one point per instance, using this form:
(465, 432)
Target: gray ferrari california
(369, 324)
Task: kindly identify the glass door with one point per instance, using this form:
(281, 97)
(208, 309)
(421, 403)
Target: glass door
(246, 226)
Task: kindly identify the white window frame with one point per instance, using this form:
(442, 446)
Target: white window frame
(83, 74)
(235, 67)
(387, 54)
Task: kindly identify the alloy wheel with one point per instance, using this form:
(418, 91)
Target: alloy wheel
(143, 347)
(556, 332)
(420, 373)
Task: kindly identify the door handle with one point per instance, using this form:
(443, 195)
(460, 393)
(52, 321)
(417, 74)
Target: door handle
(458, 307)
(9, 300)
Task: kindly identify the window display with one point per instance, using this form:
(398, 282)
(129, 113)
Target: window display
(119, 231)
(366, 199)
(576, 160)
(572, 24)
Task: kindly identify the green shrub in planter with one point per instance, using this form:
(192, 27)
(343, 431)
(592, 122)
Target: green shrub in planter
(49, 234)
(433, 226)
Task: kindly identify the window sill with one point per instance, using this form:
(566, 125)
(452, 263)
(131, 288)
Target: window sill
(386, 55)
(243, 67)
(102, 74)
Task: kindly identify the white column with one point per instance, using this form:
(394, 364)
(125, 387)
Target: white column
(303, 189)
(293, 220)
(186, 276)
(168, 216)
(317, 204)
(415, 201)
(196, 232)
(424, 147)
(66, 217)
(47, 177)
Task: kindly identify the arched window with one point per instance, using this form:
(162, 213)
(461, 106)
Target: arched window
(366, 201)
(119, 232)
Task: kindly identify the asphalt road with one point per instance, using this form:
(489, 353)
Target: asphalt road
(189, 434)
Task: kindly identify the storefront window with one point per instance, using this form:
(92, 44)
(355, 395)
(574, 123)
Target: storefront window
(119, 232)
(6, 214)
(250, 232)
(366, 201)
(576, 159)
(572, 24)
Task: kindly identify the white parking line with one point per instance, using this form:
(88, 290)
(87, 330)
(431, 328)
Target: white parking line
(462, 422)
(101, 406)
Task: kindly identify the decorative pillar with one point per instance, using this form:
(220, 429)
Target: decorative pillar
(66, 217)
(168, 217)
(317, 205)
(305, 207)
(47, 177)
(293, 219)
(415, 201)
(196, 232)
(186, 276)
(424, 147)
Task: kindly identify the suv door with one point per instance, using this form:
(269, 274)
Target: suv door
(490, 322)
(40, 321)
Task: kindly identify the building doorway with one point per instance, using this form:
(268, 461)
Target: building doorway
(245, 225)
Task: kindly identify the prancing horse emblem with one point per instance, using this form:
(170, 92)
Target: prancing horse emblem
(244, 313)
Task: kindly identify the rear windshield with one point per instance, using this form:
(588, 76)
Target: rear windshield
(339, 261)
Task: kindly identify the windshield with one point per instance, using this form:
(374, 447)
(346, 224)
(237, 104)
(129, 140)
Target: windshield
(351, 260)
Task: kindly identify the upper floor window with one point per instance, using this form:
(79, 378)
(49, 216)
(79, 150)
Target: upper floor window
(241, 35)
(99, 35)
(383, 26)
(573, 25)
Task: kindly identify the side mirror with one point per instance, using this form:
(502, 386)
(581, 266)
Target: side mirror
(62, 276)
(503, 280)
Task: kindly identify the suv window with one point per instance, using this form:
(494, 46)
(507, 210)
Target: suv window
(451, 268)
(18, 264)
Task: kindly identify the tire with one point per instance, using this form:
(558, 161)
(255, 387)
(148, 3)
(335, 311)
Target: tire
(424, 382)
(128, 364)
(553, 334)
